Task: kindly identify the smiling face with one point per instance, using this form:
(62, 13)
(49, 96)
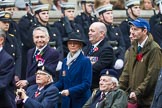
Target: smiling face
(106, 84)
(40, 38)
(96, 32)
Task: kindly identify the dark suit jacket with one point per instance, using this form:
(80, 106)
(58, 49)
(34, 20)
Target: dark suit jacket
(47, 98)
(51, 58)
(7, 97)
(105, 58)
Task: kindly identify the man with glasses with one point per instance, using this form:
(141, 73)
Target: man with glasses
(43, 94)
(108, 95)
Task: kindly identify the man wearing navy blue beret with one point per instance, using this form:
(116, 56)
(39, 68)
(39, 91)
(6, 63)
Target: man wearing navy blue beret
(108, 95)
(43, 94)
(143, 64)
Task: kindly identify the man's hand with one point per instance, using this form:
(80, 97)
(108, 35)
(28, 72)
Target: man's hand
(133, 96)
(16, 78)
(21, 93)
(22, 83)
(65, 92)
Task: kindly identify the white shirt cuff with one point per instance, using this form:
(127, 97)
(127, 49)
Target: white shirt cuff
(25, 99)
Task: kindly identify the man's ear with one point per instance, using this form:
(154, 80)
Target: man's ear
(129, 10)
(145, 31)
(36, 15)
(1, 40)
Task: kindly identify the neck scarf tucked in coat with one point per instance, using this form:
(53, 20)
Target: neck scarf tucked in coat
(71, 59)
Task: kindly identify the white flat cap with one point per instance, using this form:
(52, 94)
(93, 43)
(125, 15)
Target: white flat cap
(158, 1)
(104, 8)
(131, 3)
(7, 3)
(21, 3)
(68, 5)
(39, 8)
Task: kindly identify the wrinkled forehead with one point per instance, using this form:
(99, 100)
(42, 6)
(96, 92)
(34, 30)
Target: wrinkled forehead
(106, 78)
(42, 72)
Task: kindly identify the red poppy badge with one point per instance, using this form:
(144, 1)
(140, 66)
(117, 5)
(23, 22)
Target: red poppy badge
(139, 57)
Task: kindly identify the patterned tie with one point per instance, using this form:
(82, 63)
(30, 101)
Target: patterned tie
(37, 93)
(139, 49)
(34, 57)
(102, 97)
(91, 50)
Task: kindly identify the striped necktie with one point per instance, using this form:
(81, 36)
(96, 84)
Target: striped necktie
(102, 96)
(36, 52)
(91, 50)
(37, 93)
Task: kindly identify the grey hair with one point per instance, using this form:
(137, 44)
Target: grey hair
(43, 29)
(114, 80)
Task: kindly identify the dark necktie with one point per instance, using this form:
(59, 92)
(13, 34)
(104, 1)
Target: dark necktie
(102, 96)
(139, 49)
(36, 52)
(91, 50)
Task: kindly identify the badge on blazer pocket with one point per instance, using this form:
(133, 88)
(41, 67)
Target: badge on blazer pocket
(93, 59)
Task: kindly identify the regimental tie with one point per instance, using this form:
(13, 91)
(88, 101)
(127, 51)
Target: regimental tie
(102, 97)
(139, 49)
(37, 93)
(91, 50)
(34, 57)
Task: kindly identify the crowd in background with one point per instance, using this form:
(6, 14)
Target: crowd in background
(82, 60)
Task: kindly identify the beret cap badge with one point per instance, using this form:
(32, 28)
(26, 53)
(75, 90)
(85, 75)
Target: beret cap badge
(107, 72)
(7, 15)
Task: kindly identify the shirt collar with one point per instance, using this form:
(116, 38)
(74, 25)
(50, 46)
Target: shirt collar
(96, 44)
(41, 49)
(1, 49)
(40, 88)
(143, 43)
